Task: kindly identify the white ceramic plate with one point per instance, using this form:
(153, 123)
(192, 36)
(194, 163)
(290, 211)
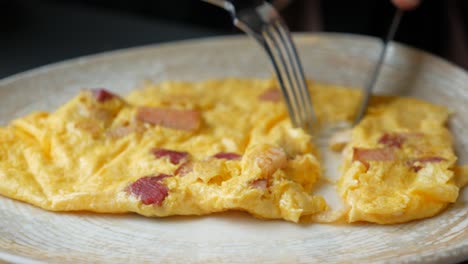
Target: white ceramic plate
(29, 234)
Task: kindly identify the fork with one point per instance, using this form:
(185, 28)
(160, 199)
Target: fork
(261, 21)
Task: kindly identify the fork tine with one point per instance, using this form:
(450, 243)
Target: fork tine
(285, 52)
(278, 55)
(295, 85)
(308, 113)
(261, 21)
(283, 86)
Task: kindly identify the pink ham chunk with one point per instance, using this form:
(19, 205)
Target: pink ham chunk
(418, 164)
(227, 156)
(396, 140)
(150, 189)
(119, 132)
(175, 157)
(124, 130)
(272, 95)
(392, 140)
(379, 154)
(184, 169)
(259, 184)
(102, 95)
(188, 120)
(270, 161)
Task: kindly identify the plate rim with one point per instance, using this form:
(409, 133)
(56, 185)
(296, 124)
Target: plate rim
(298, 37)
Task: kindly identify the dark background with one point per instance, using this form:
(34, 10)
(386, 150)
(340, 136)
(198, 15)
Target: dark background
(38, 32)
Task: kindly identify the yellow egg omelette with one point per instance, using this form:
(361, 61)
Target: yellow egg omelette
(195, 148)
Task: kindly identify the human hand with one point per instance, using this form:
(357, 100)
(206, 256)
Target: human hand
(406, 4)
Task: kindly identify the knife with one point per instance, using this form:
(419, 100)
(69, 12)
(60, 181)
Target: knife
(377, 68)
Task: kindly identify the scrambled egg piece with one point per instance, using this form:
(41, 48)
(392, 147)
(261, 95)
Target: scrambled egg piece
(399, 164)
(181, 148)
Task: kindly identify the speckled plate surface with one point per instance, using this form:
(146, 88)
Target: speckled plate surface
(30, 235)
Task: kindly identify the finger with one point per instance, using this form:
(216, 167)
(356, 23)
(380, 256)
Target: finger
(406, 4)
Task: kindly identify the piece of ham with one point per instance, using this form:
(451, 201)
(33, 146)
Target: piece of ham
(365, 155)
(396, 140)
(90, 127)
(184, 169)
(271, 160)
(259, 184)
(150, 189)
(122, 131)
(227, 156)
(418, 163)
(188, 120)
(272, 95)
(392, 140)
(102, 95)
(175, 157)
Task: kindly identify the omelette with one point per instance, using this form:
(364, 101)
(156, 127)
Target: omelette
(196, 148)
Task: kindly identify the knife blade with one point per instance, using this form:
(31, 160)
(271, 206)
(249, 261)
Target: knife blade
(378, 66)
